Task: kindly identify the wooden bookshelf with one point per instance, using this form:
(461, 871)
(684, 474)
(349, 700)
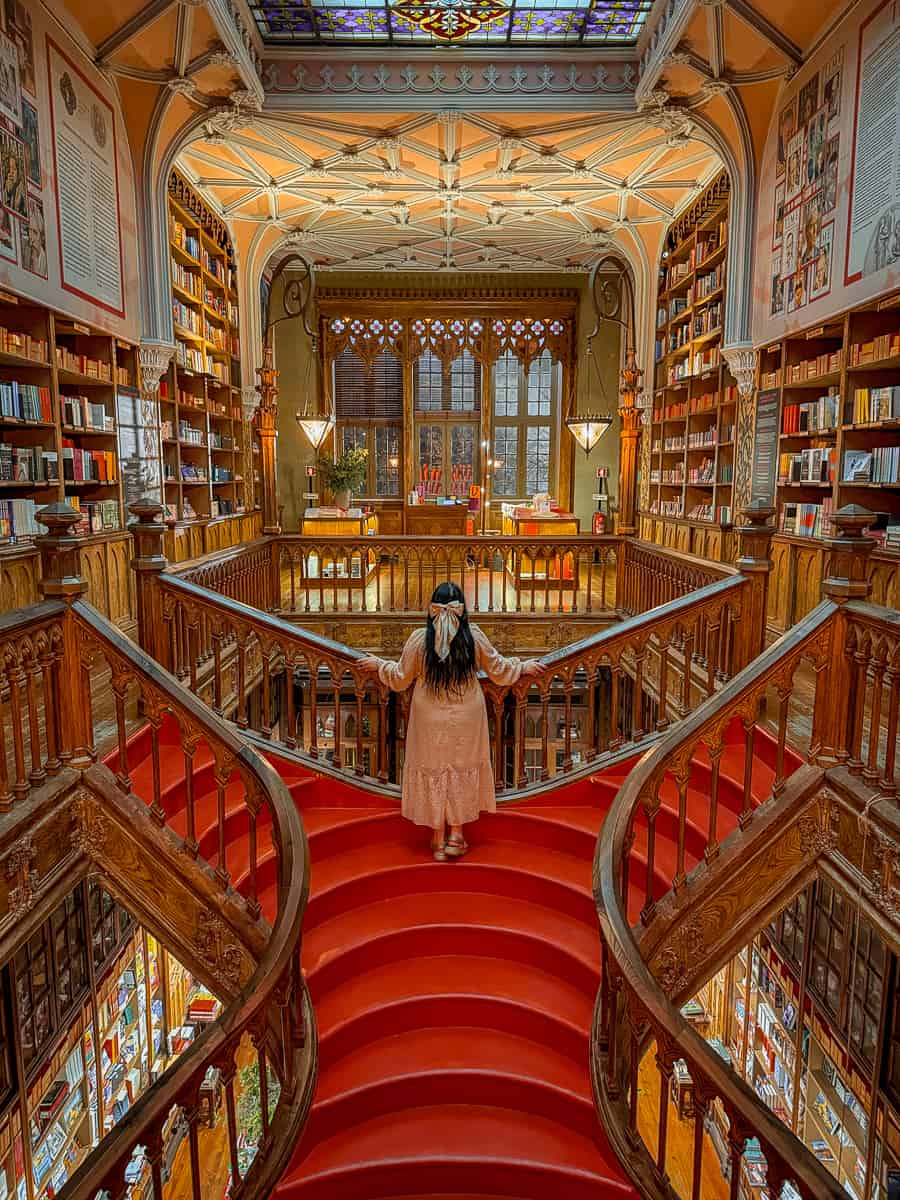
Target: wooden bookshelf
(200, 398)
(832, 418)
(691, 473)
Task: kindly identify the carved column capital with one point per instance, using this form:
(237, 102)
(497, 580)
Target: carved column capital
(154, 359)
(741, 362)
(249, 401)
(848, 555)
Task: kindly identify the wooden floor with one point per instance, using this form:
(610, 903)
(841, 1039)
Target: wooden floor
(390, 588)
(679, 1139)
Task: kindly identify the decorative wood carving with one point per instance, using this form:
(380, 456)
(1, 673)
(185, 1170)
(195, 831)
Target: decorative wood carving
(218, 948)
(22, 878)
(90, 828)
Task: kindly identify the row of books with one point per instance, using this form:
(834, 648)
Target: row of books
(221, 475)
(709, 283)
(189, 357)
(770, 379)
(808, 466)
(216, 301)
(680, 337)
(186, 239)
(707, 320)
(719, 514)
(14, 341)
(88, 466)
(215, 335)
(225, 508)
(879, 465)
(220, 441)
(806, 520)
(704, 473)
(25, 401)
(825, 363)
(710, 241)
(83, 364)
(668, 508)
(812, 415)
(671, 476)
(670, 412)
(17, 519)
(28, 464)
(726, 472)
(187, 318)
(86, 414)
(218, 370)
(887, 345)
(97, 516)
(190, 434)
(702, 438)
(673, 444)
(678, 272)
(876, 404)
(193, 474)
(706, 359)
(189, 400)
(214, 265)
(187, 280)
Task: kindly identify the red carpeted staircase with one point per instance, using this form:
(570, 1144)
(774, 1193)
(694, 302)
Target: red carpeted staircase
(454, 1000)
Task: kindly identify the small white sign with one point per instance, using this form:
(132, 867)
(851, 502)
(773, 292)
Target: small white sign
(310, 495)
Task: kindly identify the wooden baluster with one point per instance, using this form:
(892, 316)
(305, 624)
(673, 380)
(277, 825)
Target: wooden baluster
(421, 598)
(193, 634)
(14, 678)
(681, 781)
(253, 802)
(337, 756)
(313, 709)
(549, 558)
(228, 1070)
(382, 735)
(871, 772)
(304, 558)
(517, 583)
(490, 564)
(575, 558)
(156, 808)
(615, 739)
(37, 774)
(687, 658)
(258, 1036)
(476, 559)
(737, 1141)
(747, 806)
(293, 569)
(266, 699)
(290, 733)
(591, 741)
(784, 690)
(6, 795)
(222, 873)
(545, 733)
(636, 1024)
(626, 856)
(703, 1095)
(662, 716)
(189, 746)
(567, 741)
(360, 697)
(406, 597)
(192, 1113)
(50, 702)
(666, 1055)
(888, 783)
(153, 1149)
(588, 604)
(637, 699)
(377, 581)
(393, 607)
(612, 1074)
(650, 811)
(242, 721)
(712, 649)
(711, 851)
(499, 774)
(519, 744)
(217, 673)
(120, 687)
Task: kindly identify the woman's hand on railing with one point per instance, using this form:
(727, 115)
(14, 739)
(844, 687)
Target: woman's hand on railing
(368, 665)
(533, 669)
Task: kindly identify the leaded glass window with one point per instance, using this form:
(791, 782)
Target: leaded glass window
(526, 426)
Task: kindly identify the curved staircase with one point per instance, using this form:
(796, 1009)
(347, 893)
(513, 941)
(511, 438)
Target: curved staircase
(453, 1000)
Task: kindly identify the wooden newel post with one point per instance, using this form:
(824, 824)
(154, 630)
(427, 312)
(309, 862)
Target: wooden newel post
(264, 423)
(147, 532)
(629, 441)
(61, 579)
(846, 578)
(754, 545)
(847, 564)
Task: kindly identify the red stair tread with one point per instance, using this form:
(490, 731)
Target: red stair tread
(467, 1132)
(435, 908)
(458, 975)
(447, 1048)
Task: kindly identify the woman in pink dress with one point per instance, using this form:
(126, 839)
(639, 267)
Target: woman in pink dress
(447, 775)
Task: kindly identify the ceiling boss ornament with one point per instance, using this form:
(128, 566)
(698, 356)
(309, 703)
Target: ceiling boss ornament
(449, 20)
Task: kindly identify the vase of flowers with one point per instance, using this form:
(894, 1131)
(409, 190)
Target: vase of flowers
(344, 476)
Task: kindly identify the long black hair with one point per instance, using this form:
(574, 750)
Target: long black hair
(458, 668)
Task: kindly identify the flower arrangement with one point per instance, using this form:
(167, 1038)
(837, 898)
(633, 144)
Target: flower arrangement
(347, 473)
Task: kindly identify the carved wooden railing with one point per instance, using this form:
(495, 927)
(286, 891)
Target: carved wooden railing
(667, 926)
(298, 576)
(73, 690)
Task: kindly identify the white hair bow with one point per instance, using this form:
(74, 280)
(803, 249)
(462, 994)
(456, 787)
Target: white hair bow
(446, 625)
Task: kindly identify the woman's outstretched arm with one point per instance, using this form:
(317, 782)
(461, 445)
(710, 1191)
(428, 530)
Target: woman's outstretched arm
(398, 675)
(500, 670)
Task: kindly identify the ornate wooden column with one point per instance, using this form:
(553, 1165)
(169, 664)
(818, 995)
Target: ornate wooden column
(264, 424)
(149, 561)
(755, 543)
(630, 388)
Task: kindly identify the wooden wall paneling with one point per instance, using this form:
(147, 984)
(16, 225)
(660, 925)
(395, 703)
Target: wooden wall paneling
(779, 581)
(808, 580)
(20, 571)
(884, 576)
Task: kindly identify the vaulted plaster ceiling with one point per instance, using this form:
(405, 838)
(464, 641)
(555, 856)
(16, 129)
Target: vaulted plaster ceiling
(452, 190)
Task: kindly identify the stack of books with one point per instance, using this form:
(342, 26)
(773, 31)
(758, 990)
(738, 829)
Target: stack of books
(807, 520)
(876, 404)
(25, 401)
(812, 416)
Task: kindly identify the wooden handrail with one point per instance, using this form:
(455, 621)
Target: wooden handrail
(48, 654)
(675, 654)
(633, 1007)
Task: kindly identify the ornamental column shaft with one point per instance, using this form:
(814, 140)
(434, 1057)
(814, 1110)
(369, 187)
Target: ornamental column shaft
(264, 424)
(629, 438)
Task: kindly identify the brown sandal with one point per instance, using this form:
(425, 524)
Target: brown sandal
(456, 849)
(438, 851)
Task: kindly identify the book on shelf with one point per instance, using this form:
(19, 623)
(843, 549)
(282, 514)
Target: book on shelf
(825, 363)
(879, 465)
(17, 519)
(185, 239)
(887, 345)
(83, 364)
(806, 520)
(25, 401)
(807, 466)
(82, 412)
(23, 344)
(88, 466)
(97, 516)
(28, 464)
(812, 416)
(876, 404)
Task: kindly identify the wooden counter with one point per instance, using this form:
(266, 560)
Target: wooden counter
(329, 525)
(446, 520)
(352, 569)
(543, 525)
(553, 571)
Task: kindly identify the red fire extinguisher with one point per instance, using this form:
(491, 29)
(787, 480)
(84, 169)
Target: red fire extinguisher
(599, 523)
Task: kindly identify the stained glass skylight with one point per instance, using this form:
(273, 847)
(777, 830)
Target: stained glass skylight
(486, 23)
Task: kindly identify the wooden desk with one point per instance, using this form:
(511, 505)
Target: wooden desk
(350, 570)
(554, 571)
(448, 520)
(543, 525)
